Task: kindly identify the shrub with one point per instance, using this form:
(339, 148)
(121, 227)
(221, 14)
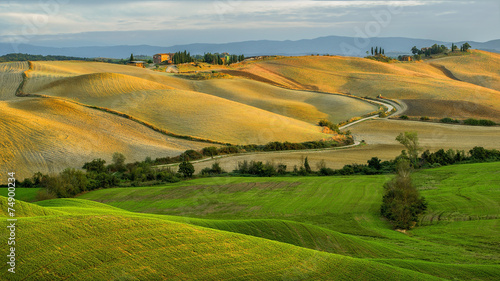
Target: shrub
(186, 169)
(191, 155)
(482, 122)
(228, 150)
(424, 118)
(215, 170)
(281, 169)
(329, 125)
(404, 117)
(324, 171)
(449, 120)
(209, 151)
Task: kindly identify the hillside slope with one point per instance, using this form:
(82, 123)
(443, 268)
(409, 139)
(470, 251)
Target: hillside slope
(48, 135)
(414, 81)
(125, 246)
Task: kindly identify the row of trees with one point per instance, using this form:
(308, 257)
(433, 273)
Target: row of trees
(438, 49)
(28, 57)
(220, 59)
(377, 51)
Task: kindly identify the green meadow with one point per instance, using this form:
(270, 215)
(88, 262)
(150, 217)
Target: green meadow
(281, 228)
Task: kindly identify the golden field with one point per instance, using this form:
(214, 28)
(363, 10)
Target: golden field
(362, 77)
(48, 135)
(10, 78)
(278, 99)
(380, 137)
(225, 110)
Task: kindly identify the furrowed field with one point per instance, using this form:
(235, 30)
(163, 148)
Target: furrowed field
(117, 108)
(234, 228)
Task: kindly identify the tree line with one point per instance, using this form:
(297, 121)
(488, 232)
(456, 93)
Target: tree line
(28, 57)
(438, 49)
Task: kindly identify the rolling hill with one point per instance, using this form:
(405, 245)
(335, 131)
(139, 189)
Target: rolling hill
(58, 245)
(431, 87)
(279, 99)
(323, 228)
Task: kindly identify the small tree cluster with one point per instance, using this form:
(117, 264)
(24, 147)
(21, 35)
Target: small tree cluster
(377, 51)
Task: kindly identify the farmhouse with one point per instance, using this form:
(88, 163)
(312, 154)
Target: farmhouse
(137, 63)
(159, 58)
(406, 58)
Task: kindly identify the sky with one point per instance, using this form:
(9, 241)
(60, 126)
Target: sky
(70, 23)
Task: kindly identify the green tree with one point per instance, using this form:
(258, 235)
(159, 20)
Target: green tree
(402, 203)
(307, 167)
(375, 163)
(96, 165)
(414, 50)
(186, 169)
(131, 57)
(410, 141)
(118, 161)
(465, 47)
(372, 51)
(453, 47)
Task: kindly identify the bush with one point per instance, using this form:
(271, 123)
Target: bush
(424, 118)
(449, 120)
(189, 155)
(482, 122)
(186, 169)
(209, 151)
(257, 168)
(329, 125)
(326, 171)
(404, 117)
(228, 150)
(215, 170)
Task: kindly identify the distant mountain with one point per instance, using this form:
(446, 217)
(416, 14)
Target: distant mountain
(334, 45)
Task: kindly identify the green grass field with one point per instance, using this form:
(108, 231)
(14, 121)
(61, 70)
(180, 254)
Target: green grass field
(295, 228)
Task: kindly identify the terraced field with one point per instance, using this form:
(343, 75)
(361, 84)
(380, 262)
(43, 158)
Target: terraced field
(325, 228)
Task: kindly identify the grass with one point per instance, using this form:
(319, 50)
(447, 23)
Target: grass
(325, 228)
(72, 245)
(23, 194)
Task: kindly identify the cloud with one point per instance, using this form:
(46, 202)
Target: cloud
(332, 17)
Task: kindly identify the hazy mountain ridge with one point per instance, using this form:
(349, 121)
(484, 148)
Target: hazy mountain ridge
(334, 45)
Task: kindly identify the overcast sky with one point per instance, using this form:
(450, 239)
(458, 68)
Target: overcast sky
(166, 23)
